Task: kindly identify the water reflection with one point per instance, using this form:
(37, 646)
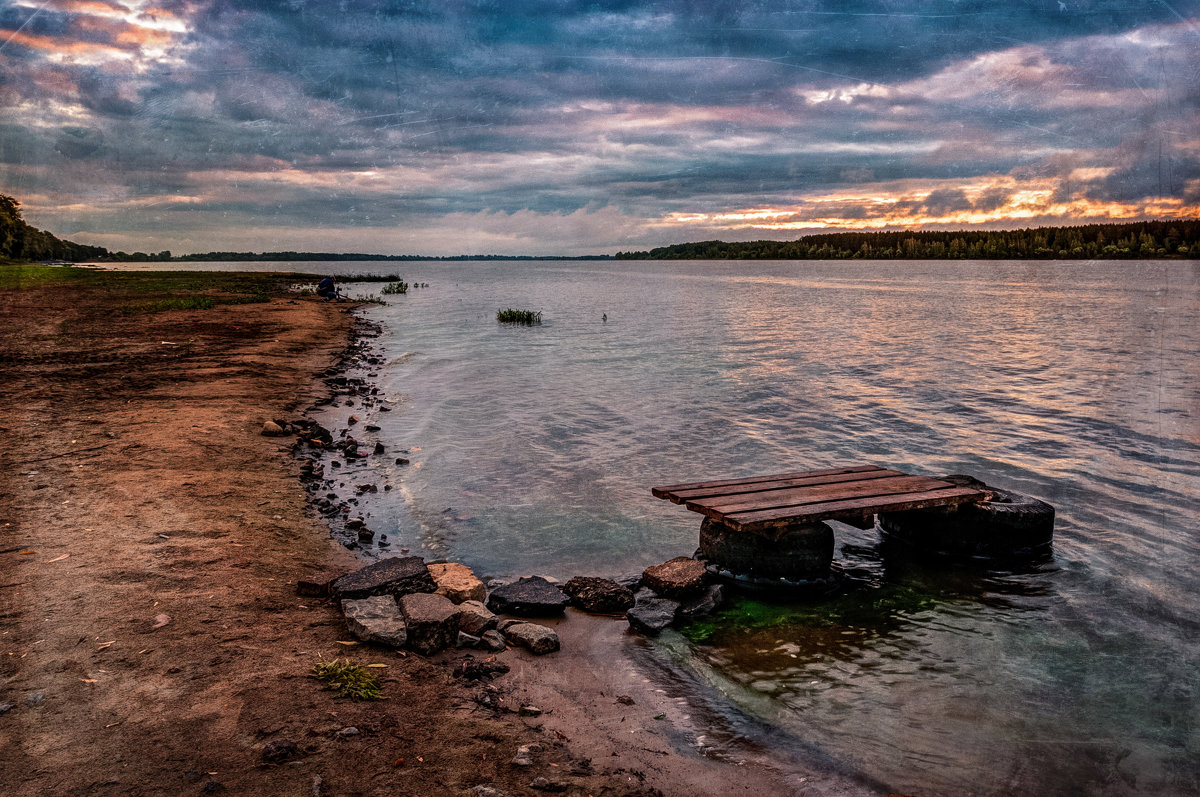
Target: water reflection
(1076, 383)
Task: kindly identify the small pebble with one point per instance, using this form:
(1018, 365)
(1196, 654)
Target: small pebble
(350, 731)
(36, 698)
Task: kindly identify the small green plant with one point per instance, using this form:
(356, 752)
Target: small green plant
(348, 679)
(526, 317)
(395, 288)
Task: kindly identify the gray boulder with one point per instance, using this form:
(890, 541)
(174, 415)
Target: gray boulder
(397, 575)
(537, 639)
(432, 622)
(376, 619)
(529, 597)
(652, 615)
(475, 618)
(600, 595)
(703, 604)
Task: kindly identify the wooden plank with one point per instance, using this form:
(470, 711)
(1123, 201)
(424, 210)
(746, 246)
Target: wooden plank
(666, 491)
(751, 521)
(751, 488)
(798, 497)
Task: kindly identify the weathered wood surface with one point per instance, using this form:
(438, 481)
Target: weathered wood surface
(849, 494)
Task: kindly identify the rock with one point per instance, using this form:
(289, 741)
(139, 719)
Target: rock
(542, 784)
(529, 711)
(365, 535)
(313, 433)
(676, 578)
(537, 639)
(703, 604)
(379, 449)
(6, 707)
(488, 791)
(432, 622)
(524, 756)
(279, 750)
(493, 641)
(474, 670)
(402, 461)
(457, 582)
(505, 623)
(376, 619)
(348, 731)
(272, 429)
(397, 575)
(598, 595)
(36, 698)
(475, 618)
(355, 523)
(353, 419)
(652, 615)
(529, 597)
(317, 584)
(466, 641)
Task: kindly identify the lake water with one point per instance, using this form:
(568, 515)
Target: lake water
(533, 451)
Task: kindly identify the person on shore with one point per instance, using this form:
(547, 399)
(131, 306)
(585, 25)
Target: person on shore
(326, 288)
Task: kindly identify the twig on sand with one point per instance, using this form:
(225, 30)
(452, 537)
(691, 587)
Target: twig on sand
(66, 454)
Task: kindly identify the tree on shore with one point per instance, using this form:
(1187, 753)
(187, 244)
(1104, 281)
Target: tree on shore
(19, 241)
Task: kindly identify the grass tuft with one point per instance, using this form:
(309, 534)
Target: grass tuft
(525, 317)
(395, 288)
(348, 679)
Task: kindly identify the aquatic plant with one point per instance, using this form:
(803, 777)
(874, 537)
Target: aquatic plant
(525, 317)
(348, 679)
(395, 288)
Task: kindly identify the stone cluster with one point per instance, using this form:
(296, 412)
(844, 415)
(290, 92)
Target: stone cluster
(402, 602)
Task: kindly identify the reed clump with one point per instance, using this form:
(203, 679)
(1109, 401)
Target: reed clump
(393, 288)
(527, 318)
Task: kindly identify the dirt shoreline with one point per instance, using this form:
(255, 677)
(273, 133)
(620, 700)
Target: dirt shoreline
(152, 639)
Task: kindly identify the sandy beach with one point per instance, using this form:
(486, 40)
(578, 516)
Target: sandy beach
(153, 640)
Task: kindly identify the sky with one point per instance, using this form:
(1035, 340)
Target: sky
(547, 127)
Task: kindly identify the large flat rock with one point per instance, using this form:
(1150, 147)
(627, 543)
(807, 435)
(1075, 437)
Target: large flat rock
(530, 597)
(376, 619)
(680, 577)
(397, 575)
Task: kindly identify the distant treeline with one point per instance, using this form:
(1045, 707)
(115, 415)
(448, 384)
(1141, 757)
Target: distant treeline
(256, 256)
(1143, 239)
(19, 241)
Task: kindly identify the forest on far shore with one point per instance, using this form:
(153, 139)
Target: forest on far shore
(1140, 239)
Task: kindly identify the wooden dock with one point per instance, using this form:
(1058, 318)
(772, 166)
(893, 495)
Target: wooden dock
(851, 495)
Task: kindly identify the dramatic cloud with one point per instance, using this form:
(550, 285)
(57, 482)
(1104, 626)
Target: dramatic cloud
(546, 127)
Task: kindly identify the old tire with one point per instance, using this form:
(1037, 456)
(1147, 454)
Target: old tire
(1006, 523)
(796, 553)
